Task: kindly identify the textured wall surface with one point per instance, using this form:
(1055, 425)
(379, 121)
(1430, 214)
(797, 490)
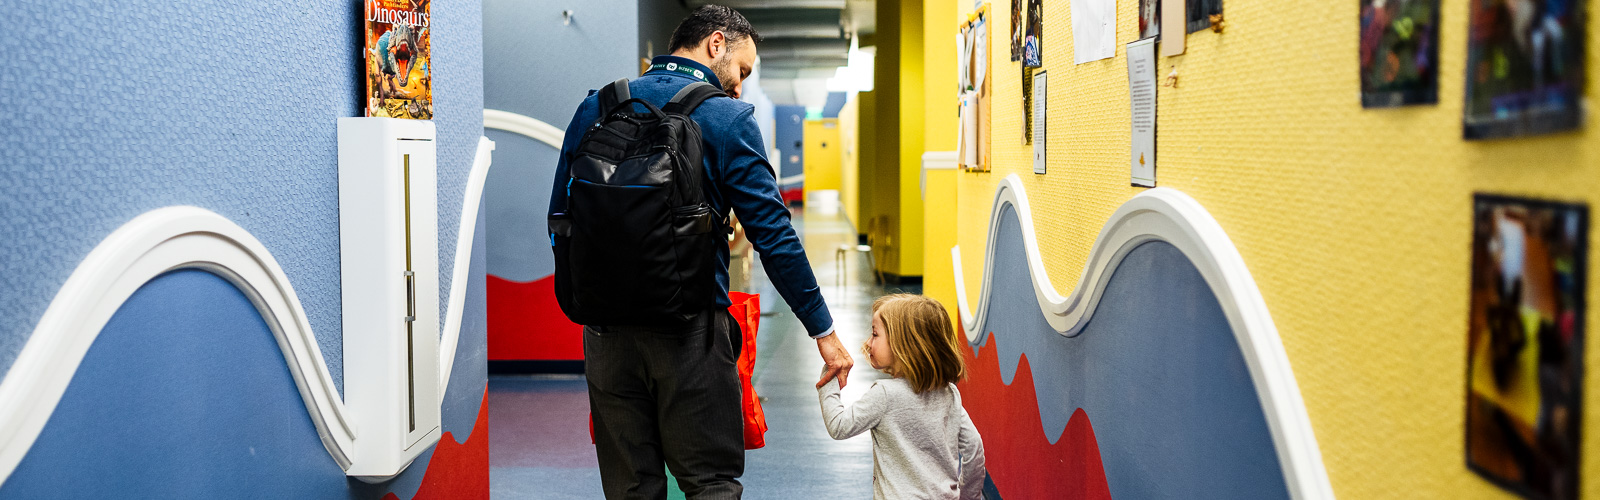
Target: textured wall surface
(1355, 223)
(538, 67)
(232, 107)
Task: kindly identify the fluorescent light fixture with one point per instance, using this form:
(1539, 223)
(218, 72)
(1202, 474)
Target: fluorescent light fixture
(856, 75)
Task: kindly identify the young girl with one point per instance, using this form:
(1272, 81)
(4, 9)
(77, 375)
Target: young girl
(923, 444)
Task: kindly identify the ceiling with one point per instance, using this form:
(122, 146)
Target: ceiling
(804, 42)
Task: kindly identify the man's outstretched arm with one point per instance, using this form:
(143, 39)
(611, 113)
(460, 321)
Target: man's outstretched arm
(752, 191)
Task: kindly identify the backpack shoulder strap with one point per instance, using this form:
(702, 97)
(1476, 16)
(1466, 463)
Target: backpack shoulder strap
(612, 95)
(690, 97)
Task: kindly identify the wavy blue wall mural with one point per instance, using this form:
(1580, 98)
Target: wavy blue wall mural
(118, 112)
(1160, 376)
(1157, 371)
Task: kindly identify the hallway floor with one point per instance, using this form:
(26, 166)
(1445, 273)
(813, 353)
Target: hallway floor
(539, 436)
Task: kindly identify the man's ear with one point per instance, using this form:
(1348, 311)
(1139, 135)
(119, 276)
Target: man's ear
(716, 44)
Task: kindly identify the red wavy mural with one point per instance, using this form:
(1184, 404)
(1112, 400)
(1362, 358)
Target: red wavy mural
(792, 195)
(526, 322)
(1021, 461)
(459, 470)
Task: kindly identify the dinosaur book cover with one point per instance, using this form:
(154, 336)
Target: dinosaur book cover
(399, 79)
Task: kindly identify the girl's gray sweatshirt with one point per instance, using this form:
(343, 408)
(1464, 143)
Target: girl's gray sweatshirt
(923, 445)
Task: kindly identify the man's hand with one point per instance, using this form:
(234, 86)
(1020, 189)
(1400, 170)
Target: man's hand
(836, 358)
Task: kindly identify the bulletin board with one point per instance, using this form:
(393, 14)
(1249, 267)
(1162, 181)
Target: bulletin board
(975, 90)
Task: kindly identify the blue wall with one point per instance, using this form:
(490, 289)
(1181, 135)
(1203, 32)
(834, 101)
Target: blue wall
(536, 66)
(230, 106)
(165, 393)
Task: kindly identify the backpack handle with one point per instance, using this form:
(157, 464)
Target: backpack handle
(628, 104)
(616, 95)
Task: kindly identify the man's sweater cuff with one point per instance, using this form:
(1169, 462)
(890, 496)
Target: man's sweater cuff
(817, 320)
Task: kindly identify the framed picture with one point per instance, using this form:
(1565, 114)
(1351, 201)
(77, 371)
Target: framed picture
(1017, 29)
(1149, 18)
(1200, 12)
(1525, 68)
(1399, 52)
(1525, 341)
(1033, 37)
(399, 73)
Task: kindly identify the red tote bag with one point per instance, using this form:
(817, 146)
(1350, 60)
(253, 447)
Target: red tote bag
(746, 310)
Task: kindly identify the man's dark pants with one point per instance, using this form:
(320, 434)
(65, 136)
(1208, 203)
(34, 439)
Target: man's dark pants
(667, 395)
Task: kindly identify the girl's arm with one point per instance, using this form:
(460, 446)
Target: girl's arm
(970, 443)
(844, 422)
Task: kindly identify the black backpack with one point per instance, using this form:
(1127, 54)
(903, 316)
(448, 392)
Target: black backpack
(636, 243)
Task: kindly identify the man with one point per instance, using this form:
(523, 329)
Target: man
(671, 395)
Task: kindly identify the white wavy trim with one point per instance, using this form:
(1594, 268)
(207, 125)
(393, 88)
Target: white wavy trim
(1165, 214)
(525, 125)
(185, 237)
(157, 242)
(451, 334)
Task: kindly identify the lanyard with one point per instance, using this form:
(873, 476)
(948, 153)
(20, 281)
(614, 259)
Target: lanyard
(701, 75)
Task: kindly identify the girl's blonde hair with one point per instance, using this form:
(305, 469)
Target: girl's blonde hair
(926, 351)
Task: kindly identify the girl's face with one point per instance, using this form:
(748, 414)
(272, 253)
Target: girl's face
(878, 352)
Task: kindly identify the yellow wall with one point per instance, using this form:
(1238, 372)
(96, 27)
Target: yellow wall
(939, 209)
(822, 154)
(880, 180)
(866, 197)
(914, 116)
(938, 196)
(939, 18)
(1355, 223)
(850, 160)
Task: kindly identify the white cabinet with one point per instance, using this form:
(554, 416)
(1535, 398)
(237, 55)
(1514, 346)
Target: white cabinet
(388, 248)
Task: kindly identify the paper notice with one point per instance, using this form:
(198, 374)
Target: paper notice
(1040, 106)
(980, 52)
(1094, 30)
(969, 129)
(1142, 92)
(1172, 27)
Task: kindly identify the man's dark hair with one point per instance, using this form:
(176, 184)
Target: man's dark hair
(710, 19)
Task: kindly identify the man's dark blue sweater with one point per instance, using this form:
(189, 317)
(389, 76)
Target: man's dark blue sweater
(737, 175)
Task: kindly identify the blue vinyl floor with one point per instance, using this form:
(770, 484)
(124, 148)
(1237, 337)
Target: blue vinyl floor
(540, 444)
